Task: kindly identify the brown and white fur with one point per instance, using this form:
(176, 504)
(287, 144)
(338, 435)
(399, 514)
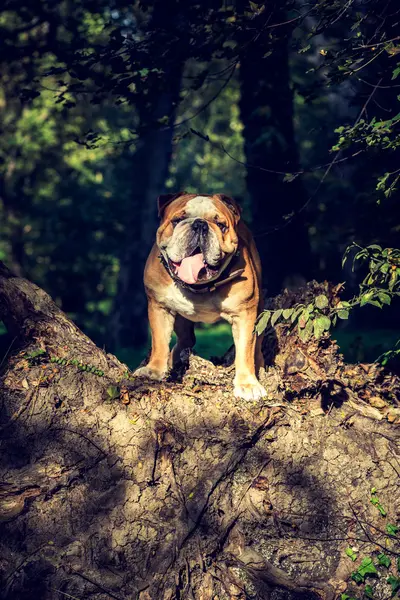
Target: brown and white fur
(173, 307)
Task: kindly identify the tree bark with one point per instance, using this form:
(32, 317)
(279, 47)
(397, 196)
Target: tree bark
(267, 114)
(120, 488)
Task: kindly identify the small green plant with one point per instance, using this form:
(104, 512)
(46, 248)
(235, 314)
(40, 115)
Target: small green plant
(351, 553)
(34, 356)
(375, 501)
(394, 583)
(113, 393)
(379, 286)
(390, 355)
(368, 592)
(366, 567)
(80, 365)
(369, 568)
(384, 560)
(392, 530)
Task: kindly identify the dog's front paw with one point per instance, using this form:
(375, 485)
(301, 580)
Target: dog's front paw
(249, 391)
(150, 373)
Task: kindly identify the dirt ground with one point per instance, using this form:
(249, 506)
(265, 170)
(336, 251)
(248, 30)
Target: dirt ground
(112, 487)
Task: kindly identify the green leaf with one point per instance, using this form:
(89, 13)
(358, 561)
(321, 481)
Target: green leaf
(365, 298)
(398, 563)
(375, 247)
(304, 317)
(394, 584)
(343, 313)
(304, 49)
(396, 72)
(357, 577)
(367, 567)
(263, 321)
(112, 392)
(321, 301)
(275, 316)
(368, 591)
(375, 501)
(321, 324)
(384, 560)
(391, 529)
(287, 313)
(351, 554)
(306, 332)
(384, 298)
(296, 312)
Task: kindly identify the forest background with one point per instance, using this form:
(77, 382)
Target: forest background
(290, 107)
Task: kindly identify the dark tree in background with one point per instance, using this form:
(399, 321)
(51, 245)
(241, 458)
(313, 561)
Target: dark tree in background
(156, 108)
(271, 151)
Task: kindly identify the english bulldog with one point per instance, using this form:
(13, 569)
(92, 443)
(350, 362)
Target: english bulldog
(203, 267)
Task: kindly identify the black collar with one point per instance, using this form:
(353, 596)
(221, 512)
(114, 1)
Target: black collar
(205, 288)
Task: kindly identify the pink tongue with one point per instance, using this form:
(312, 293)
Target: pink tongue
(190, 268)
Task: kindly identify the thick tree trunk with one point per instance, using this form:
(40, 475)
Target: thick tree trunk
(129, 325)
(267, 114)
(115, 488)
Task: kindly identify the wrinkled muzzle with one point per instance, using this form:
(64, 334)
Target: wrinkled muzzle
(193, 251)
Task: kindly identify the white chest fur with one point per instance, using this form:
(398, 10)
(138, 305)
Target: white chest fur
(195, 307)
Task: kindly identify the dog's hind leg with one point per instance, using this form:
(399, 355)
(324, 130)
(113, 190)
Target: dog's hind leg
(186, 338)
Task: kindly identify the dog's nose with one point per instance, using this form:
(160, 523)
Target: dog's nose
(200, 226)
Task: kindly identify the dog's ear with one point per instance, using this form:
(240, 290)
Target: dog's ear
(165, 199)
(232, 205)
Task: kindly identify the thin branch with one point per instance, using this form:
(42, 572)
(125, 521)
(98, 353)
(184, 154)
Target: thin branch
(325, 175)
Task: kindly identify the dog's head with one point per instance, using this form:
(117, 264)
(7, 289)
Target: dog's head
(197, 234)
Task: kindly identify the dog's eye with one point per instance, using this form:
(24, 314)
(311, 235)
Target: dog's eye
(222, 227)
(176, 221)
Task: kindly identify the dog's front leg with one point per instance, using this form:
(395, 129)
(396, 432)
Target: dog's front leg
(161, 326)
(246, 385)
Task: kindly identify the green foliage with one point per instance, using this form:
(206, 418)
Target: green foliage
(76, 363)
(113, 392)
(35, 355)
(366, 568)
(351, 554)
(380, 285)
(375, 501)
(368, 592)
(391, 529)
(394, 583)
(384, 560)
(390, 355)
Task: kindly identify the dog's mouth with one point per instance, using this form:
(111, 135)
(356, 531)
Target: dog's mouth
(194, 268)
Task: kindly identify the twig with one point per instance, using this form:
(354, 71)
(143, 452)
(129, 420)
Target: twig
(65, 594)
(7, 352)
(325, 175)
(98, 585)
(83, 436)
